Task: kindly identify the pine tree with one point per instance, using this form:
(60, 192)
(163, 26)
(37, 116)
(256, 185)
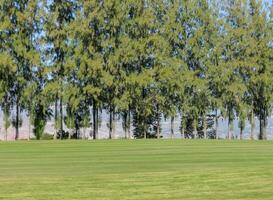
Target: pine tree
(20, 28)
(194, 47)
(215, 68)
(88, 35)
(40, 111)
(113, 76)
(27, 99)
(261, 51)
(138, 45)
(167, 70)
(6, 71)
(234, 60)
(58, 16)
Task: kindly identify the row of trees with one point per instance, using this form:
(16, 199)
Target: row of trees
(140, 60)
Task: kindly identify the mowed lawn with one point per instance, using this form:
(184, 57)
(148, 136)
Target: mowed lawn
(136, 169)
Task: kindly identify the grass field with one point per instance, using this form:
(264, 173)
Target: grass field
(152, 170)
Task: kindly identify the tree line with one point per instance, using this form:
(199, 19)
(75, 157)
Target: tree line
(140, 60)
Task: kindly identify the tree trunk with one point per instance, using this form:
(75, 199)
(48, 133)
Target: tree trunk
(194, 132)
(17, 120)
(157, 122)
(216, 126)
(172, 127)
(144, 129)
(262, 135)
(94, 120)
(252, 123)
(158, 127)
(125, 122)
(78, 132)
(129, 123)
(182, 133)
(97, 123)
(84, 134)
(110, 123)
(56, 118)
(241, 133)
(230, 128)
(114, 124)
(205, 127)
(61, 117)
(194, 129)
(182, 128)
(262, 128)
(29, 127)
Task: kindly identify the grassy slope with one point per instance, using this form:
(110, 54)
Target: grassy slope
(165, 169)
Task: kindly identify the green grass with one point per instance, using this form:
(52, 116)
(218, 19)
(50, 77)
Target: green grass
(140, 170)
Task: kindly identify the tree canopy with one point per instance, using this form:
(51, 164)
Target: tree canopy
(139, 60)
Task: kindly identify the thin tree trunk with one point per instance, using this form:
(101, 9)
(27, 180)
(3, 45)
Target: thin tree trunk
(263, 122)
(261, 135)
(230, 128)
(205, 127)
(114, 124)
(182, 133)
(84, 134)
(126, 132)
(110, 123)
(29, 128)
(241, 133)
(17, 121)
(69, 134)
(158, 127)
(252, 123)
(182, 128)
(194, 132)
(78, 132)
(61, 117)
(129, 123)
(56, 118)
(145, 133)
(125, 125)
(194, 129)
(90, 133)
(265, 126)
(97, 122)
(143, 118)
(158, 122)
(6, 121)
(216, 126)
(94, 120)
(172, 127)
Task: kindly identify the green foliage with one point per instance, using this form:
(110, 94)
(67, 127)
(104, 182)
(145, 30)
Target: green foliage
(141, 59)
(47, 136)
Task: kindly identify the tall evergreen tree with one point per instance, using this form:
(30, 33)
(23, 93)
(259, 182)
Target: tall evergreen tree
(58, 15)
(20, 29)
(89, 60)
(260, 51)
(234, 46)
